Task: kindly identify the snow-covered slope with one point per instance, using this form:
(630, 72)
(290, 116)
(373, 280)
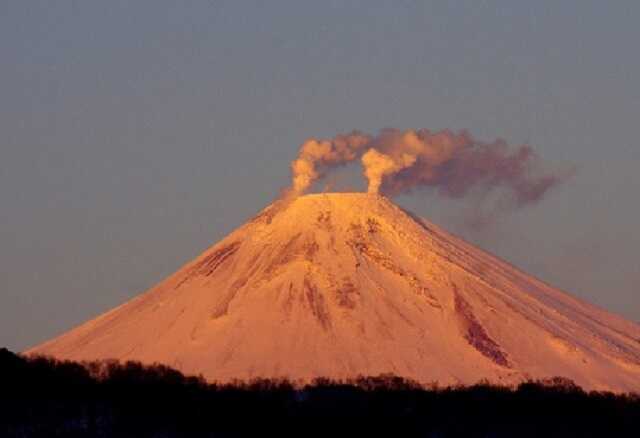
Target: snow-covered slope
(340, 285)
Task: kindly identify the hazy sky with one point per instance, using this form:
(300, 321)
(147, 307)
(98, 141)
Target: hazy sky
(135, 134)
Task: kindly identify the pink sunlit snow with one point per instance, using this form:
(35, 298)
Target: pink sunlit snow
(341, 285)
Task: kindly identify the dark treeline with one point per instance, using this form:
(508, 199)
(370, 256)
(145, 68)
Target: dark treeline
(42, 397)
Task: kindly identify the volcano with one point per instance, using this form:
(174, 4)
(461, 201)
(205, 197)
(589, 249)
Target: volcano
(349, 284)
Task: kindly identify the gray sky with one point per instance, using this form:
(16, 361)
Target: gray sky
(135, 134)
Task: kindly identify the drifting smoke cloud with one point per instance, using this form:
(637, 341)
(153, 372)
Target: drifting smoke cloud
(454, 164)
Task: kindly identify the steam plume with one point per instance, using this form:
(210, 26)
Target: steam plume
(316, 156)
(378, 165)
(454, 164)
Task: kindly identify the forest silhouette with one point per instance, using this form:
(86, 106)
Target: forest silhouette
(44, 397)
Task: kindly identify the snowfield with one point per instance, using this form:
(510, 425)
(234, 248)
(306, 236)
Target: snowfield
(341, 285)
